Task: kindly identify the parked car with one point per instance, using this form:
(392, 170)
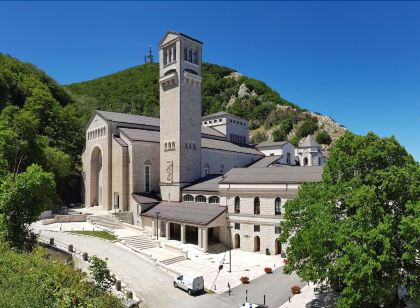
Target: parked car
(249, 305)
(190, 282)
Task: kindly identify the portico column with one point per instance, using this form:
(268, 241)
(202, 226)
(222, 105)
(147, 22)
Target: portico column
(153, 227)
(182, 233)
(205, 239)
(168, 230)
(200, 241)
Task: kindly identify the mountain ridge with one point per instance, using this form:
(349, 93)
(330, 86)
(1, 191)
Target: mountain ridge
(135, 90)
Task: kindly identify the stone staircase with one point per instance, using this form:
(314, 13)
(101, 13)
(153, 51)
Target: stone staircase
(106, 221)
(139, 242)
(173, 260)
(217, 248)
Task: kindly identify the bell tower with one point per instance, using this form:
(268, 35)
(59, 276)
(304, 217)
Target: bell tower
(180, 113)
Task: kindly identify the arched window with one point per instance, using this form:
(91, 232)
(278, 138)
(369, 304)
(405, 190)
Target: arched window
(166, 146)
(305, 161)
(188, 198)
(173, 145)
(277, 206)
(200, 198)
(222, 169)
(214, 199)
(237, 204)
(206, 169)
(147, 175)
(256, 205)
(288, 158)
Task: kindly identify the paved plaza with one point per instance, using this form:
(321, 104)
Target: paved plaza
(275, 286)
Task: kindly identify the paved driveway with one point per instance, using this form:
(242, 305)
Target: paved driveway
(155, 285)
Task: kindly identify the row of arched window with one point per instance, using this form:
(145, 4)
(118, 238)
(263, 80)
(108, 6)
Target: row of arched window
(257, 205)
(169, 145)
(201, 199)
(96, 133)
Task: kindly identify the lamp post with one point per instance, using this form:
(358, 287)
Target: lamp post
(230, 248)
(157, 225)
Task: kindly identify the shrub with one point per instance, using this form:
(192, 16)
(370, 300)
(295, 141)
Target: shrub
(279, 135)
(295, 140)
(308, 127)
(100, 272)
(258, 137)
(268, 270)
(244, 279)
(295, 289)
(323, 137)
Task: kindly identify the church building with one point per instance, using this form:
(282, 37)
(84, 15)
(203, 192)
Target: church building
(191, 178)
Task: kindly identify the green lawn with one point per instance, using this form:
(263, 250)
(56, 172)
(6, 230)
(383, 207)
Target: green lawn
(101, 234)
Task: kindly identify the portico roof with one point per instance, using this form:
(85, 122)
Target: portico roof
(187, 212)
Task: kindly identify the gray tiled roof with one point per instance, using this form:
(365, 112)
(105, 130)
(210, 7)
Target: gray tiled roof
(211, 131)
(135, 134)
(207, 183)
(144, 198)
(128, 118)
(275, 175)
(265, 161)
(217, 114)
(120, 141)
(270, 144)
(187, 212)
(227, 146)
(309, 142)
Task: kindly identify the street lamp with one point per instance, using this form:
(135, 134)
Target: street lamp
(157, 225)
(230, 248)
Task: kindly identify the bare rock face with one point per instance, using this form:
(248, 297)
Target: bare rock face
(243, 91)
(234, 75)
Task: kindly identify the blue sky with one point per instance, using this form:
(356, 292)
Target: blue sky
(358, 62)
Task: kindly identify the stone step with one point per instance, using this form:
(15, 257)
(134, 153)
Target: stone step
(173, 260)
(105, 221)
(138, 242)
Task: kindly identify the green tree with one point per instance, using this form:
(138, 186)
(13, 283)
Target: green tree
(279, 135)
(322, 137)
(358, 229)
(100, 273)
(23, 197)
(307, 127)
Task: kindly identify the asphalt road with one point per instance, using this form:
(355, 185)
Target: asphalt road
(155, 285)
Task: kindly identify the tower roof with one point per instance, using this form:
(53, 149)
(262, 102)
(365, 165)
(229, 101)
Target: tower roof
(309, 142)
(178, 34)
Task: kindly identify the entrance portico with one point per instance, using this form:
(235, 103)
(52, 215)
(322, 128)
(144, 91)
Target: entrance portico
(193, 223)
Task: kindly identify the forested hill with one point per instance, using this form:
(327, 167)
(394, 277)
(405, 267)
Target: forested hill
(271, 117)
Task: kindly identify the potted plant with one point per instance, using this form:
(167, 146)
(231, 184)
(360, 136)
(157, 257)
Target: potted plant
(268, 270)
(244, 279)
(295, 289)
(285, 261)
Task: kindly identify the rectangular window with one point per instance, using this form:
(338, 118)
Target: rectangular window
(185, 54)
(277, 230)
(237, 226)
(165, 60)
(147, 179)
(256, 228)
(195, 59)
(116, 200)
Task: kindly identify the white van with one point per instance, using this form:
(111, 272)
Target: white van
(190, 282)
